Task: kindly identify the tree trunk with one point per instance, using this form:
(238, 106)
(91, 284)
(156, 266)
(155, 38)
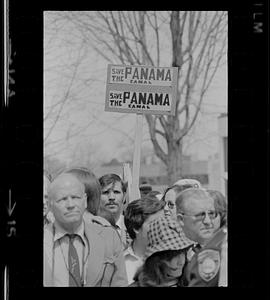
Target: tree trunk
(198, 47)
(175, 162)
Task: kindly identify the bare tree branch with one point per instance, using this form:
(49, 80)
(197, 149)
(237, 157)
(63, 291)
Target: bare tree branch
(198, 43)
(65, 98)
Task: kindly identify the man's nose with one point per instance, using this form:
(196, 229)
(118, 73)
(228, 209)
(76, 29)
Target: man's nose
(207, 220)
(70, 202)
(111, 195)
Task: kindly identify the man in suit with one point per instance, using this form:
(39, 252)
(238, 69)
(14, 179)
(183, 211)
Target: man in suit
(208, 267)
(200, 220)
(76, 253)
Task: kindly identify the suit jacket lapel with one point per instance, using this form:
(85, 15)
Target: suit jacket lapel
(96, 255)
(95, 259)
(124, 232)
(47, 255)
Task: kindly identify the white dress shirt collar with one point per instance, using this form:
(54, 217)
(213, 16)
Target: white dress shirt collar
(60, 232)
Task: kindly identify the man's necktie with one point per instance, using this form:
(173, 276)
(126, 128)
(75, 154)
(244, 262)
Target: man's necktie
(73, 263)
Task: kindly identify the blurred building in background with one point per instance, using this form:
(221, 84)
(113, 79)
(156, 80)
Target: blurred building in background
(153, 171)
(212, 173)
(218, 163)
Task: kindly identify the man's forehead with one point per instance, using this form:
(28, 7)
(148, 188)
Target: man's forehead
(113, 185)
(198, 203)
(65, 181)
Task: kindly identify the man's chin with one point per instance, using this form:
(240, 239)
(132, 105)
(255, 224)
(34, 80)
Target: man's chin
(206, 234)
(72, 218)
(70, 224)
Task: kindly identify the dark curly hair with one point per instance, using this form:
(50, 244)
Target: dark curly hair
(154, 270)
(138, 211)
(112, 178)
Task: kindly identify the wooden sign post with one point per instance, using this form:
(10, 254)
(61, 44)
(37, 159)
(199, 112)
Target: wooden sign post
(127, 177)
(140, 90)
(135, 192)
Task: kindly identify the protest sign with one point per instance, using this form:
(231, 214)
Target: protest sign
(141, 89)
(142, 75)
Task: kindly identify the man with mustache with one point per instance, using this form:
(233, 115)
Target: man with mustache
(113, 193)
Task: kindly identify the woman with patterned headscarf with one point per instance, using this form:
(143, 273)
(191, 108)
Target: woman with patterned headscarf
(165, 255)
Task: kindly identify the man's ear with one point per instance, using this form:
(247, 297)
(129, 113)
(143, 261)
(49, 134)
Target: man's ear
(136, 231)
(180, 219)
(85, 200)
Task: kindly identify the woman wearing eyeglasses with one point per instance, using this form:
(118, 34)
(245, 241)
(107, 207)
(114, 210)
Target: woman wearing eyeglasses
(172, 192)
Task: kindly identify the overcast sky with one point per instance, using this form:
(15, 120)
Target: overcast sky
(107, 134)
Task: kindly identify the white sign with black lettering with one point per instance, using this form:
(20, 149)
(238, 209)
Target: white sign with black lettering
(141, 75)
(140, 100)
(141, 89)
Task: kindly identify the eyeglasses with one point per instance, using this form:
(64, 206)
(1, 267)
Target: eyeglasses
(212, 214)
(170, 205)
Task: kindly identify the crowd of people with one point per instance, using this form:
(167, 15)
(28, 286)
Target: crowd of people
(94, 236)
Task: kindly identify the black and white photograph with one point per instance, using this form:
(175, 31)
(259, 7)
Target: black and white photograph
(136, 100)
(135, 141)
